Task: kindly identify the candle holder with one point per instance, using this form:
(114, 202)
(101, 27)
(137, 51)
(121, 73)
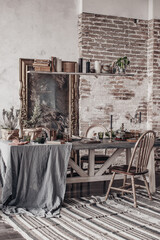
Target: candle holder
(136, 120)
(100, 135)
(110, 136)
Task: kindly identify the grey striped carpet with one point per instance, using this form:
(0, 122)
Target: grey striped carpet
(93, 218)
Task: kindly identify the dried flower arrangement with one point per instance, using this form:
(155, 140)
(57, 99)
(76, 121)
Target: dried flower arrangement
(10, 118)
(44, 116)
(10, 121)
(36, 119)
(54, 120)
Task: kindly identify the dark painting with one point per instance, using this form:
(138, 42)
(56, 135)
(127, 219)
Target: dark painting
(51, 93)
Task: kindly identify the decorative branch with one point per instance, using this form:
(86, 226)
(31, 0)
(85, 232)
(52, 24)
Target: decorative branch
(10, 118)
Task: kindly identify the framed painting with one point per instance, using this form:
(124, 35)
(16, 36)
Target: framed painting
(55, 96)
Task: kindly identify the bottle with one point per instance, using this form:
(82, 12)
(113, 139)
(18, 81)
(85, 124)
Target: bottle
(84, 66)
(88, 66)
(80, 62)
(122, 127)
(122, 133)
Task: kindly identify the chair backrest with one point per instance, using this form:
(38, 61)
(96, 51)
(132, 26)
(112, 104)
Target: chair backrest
(142, 150)
(157, 154)
(94, 129)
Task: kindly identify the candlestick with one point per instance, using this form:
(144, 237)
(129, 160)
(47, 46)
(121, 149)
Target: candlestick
(110, 135)
(111, 128)
(20, 128)
(140, 117)
(111, 120)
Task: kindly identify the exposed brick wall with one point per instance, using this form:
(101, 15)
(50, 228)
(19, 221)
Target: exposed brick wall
(156, 77)
(100, 97)
(150, 49)
(106, 38)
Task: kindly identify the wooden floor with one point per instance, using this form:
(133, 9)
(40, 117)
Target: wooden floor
(74, 190)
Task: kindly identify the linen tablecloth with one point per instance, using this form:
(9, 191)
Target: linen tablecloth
(33, 178)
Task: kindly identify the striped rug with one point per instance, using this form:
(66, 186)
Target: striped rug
(93, 218)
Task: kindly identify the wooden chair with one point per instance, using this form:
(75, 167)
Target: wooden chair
(99, 158)
(157, 159)
(137, 166)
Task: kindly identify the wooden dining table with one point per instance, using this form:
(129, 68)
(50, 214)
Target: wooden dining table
(118, 148)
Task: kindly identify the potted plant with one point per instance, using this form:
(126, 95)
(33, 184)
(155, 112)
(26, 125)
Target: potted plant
(122, 64)
(107, 134)
(31, 126)
(10, 122)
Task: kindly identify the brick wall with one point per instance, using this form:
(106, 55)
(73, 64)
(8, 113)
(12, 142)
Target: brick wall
(156, 77)
(150, 49)
(106, 38)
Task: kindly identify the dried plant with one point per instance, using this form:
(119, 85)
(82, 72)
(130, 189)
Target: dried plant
(10, 118)
(54, 119)
(43, 115)
(36, 118)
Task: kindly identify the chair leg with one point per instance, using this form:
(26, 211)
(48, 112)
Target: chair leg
(110, 185)
(104, 186)
(110, 169)
(134, 191)
(81, 164)
(147, 187)
(124, 182)
(71, 172)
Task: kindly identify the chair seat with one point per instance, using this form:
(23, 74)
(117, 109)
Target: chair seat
(99, 159)
(140, 157)
(123, 169)
(157, 159)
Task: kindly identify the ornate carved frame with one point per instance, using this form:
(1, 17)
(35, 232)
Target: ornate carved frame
(24, 66)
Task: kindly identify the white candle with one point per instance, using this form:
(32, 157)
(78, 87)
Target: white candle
(59, 65)
(97, 66)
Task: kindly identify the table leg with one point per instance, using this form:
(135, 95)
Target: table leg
(128, 155)
(91, 163)
(151, 168)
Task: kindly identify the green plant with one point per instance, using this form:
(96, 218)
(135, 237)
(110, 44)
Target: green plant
(108, 134)
(122, 62)
(10, 118)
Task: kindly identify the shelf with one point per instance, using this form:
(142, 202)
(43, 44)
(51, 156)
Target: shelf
(74, 73)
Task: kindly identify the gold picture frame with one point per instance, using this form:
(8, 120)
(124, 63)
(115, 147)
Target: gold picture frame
(26, 65)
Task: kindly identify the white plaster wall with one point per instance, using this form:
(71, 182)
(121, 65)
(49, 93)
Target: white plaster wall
(45, 28)
(121, 8)
(79, 6)
(150, 9)
(156, 9)
(33, 29)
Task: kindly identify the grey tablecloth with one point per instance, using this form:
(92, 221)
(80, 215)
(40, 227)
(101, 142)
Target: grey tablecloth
(33, 178)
